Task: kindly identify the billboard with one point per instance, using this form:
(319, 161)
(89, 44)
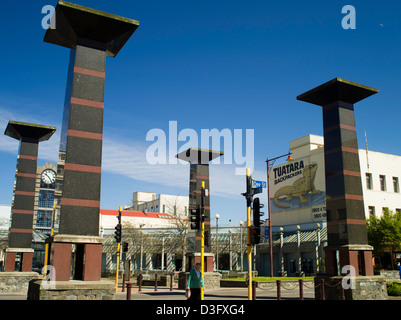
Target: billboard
(297, 191)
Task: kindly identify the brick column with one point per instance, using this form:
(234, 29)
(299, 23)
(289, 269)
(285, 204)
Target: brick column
(20, 235)
(346, 225)
(199, 171)
(91, 35)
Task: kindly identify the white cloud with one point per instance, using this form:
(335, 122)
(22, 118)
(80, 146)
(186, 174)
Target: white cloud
(128, 158)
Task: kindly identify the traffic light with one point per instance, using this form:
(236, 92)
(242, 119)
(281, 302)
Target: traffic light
(256, 212)
(255, 235)
(195, 219)
(125, 247)
(255, 230)
(117, 233)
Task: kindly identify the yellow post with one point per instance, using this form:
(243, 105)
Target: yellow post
(118, 252)
(249, 246)
(47, 244)
(118, 263)
(202, 239)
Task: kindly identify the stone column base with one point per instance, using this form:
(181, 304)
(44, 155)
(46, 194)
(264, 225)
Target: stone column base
(210, 279)
(71, 290)
(194, 258)
(26, 259)
(88, 257)
(16, 282)
(363, 288)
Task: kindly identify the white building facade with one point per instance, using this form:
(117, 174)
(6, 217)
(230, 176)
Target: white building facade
(163, 203)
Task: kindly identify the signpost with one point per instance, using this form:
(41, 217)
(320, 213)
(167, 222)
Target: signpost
(259, 184)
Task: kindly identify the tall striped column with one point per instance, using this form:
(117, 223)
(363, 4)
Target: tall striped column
(81, 143)
(91, 35)
(199, 171)
(346, 224)
(20, 233)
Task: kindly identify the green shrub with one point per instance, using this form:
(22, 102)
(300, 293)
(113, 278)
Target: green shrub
(394, 288)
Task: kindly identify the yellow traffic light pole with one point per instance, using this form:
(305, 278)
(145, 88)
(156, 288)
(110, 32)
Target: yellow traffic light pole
(118, 264)
(47, 244)
(118, 253)
(202, 236)
(249, 245)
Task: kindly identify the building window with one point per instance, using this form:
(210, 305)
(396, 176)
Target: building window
(372, 211)
(369, 182)
(46, 199)
(44, 219)
(385, 210)
(164, 208)
(398, 211)
(396, 185)
(382, 183)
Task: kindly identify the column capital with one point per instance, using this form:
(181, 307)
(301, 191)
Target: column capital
(337, 89)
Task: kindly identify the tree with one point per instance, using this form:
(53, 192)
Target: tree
(385, 232)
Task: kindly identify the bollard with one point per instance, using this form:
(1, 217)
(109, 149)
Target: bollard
(301, 289)
(155, 281)
(140, 282)
(123, 288)
(278, 283)
(129, 286)
(322, 293)
(171, 282)
(253, 290)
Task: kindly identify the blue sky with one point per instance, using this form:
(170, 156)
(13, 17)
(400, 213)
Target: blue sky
(205, 64)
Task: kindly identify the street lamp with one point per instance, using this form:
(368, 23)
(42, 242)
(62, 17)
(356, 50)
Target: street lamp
(217, 216)
(269, 165)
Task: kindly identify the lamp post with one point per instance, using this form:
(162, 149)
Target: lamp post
(269, 164)
(229, 250)
(217, 216)
(242, 255)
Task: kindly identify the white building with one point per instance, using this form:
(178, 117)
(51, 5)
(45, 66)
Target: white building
(138, 220)
(381, 174)
(164, 203)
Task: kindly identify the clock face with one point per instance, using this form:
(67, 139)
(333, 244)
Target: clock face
(48, 176)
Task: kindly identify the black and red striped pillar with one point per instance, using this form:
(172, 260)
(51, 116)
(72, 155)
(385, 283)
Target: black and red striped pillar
(199, 171)
(20, 233)
(91, 35)
(346, 224)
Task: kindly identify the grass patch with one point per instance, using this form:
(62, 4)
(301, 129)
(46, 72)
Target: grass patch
(271, 278)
